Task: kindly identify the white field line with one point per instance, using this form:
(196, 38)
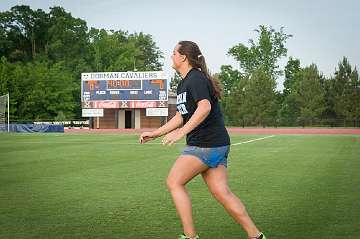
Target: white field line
(249, 141)
(151, 143)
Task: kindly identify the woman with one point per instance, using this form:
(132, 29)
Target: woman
(199, 117)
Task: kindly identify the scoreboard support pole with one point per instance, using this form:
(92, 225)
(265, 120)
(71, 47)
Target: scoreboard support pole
(121, 122)
(137, 119)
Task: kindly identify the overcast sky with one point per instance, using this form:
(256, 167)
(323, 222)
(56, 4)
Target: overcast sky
(323, 31)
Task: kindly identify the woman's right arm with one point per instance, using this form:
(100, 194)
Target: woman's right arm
(173, 124)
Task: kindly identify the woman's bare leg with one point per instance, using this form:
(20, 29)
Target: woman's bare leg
(184, 169)
(216, 180)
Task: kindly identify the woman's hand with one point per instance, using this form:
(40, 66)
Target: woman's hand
(172, 137)
(146, 137)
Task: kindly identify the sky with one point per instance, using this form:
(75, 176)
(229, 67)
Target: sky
(323, 31)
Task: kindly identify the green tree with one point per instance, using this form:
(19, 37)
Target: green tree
(260, 98)
(346, 91)
(68, 39)
(264, 53)
(228, 78)
(38, 91)
(233, 101)
(12, 81)
(291, 69)
(309, 94)
(289, 109)
(120, 51)
(22, 33)
(4, 76)
(148, 55)
(174, 82)
(233, 93)
(258, 63)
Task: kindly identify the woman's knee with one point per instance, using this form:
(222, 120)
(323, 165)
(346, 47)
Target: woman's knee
(172, 183)
(222, 194)
(230, 201)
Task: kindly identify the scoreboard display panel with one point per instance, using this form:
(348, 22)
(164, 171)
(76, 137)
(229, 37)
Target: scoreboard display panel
(105, 88)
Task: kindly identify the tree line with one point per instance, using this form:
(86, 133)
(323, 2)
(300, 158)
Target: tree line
(309, 98)
(42, 55)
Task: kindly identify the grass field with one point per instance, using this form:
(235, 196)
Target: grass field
(108, 186)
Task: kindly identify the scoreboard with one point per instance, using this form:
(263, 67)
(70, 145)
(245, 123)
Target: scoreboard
(124, 89)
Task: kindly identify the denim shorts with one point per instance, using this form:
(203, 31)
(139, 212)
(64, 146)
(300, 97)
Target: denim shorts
(212, 157)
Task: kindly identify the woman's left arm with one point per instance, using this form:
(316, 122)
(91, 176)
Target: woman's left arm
(202, 111)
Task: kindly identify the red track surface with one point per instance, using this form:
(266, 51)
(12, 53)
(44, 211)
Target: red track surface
(238, 130)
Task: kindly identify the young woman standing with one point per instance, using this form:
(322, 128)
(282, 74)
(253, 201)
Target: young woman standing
(199, 118)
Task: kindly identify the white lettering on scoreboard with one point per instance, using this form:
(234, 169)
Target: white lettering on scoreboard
(123, 75)
(92, 112)
(157, 112)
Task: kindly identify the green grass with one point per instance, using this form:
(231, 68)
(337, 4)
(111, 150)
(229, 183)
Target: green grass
(108, 186)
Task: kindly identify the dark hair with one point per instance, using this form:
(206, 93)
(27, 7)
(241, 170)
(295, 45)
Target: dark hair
(196, 59)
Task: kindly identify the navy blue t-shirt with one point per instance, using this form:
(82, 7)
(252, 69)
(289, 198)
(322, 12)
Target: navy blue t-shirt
(211, 132)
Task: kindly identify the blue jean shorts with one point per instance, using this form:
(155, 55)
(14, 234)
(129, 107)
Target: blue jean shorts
(212, 157)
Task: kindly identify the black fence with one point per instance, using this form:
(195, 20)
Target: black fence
(293, 122)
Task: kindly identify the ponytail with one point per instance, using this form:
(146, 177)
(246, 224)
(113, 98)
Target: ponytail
(214, 81)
